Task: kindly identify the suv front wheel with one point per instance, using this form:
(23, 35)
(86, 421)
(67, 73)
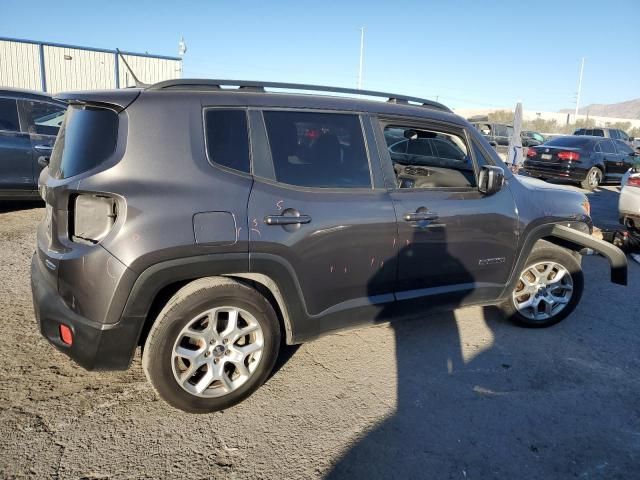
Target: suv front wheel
(548, 288)
(213, 345)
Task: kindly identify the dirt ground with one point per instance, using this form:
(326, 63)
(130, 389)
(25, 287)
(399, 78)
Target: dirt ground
(460, 396)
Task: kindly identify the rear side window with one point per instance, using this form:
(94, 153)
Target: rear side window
(606, 146)
(598, 133)
(9, 115)
(88, 136)
(227, 138)
(318, 149)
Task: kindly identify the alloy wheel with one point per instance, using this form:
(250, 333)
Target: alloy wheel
(543, 291)
(217, 352)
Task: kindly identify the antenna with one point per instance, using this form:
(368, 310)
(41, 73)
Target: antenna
(361, 58)
(135, 79)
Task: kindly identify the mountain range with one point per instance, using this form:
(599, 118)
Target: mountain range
(629, 109)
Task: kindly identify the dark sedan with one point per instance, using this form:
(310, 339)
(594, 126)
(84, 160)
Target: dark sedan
(29, 123)
(588, 160)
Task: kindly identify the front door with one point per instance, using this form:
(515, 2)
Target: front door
(457, 245)
(316, 212)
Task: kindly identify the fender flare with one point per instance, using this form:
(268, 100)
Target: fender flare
(571, 239)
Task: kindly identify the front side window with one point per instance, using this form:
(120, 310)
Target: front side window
(427, 158)
(623, 136)
(9, 115)
(227, 138)
(325, 150)
(43, 118)
(614, 134)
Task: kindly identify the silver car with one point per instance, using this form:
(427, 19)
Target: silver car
(629, 202)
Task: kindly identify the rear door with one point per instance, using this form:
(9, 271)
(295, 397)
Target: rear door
(626, 154)
(319, 210)
(42, 120)
(16, 168)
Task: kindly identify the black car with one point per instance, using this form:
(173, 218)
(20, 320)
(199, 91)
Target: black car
(588, 160)
(210, 221)
(29, 123)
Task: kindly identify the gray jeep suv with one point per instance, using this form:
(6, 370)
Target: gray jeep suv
(210, 224)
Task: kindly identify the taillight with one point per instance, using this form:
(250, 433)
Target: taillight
(569, 156)
(92, 218)
(531, 153)
(634, 182)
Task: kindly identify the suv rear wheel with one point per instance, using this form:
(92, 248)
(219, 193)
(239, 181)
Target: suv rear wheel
(213, 345)
(548, 288)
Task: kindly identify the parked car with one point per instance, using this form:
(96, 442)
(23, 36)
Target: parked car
(29, 123)
(587, 160)
(532, 138)
(205, 225)
(629, 201)
(497, 134)
(606, 132)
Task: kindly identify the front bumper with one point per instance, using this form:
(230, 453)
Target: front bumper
(96, 346)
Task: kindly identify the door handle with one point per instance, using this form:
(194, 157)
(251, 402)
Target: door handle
(286, 219)
(43, 148)
(420, 216)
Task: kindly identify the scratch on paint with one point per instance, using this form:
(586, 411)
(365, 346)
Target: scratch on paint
(257, 231)
(345, 270)
(381, 263)
(394, 241)
(373, 259)
(331, 268)
(109, 272)
(279, 204)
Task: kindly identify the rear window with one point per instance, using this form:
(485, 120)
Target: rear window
(88, 136)
(568, 141)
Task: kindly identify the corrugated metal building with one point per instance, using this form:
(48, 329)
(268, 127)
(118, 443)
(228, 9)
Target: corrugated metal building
(54, 67)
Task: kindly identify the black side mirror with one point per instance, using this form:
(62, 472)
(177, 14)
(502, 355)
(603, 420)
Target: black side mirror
(43, 161)
(491, 179)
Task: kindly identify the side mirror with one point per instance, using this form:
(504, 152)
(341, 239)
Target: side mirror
(491, 179)
(631, 139)
(43, 161)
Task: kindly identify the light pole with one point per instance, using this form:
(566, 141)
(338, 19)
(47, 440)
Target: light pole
(579, 91)
(361, 58)
(182, 49)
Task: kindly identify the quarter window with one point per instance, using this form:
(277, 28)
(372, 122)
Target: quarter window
(228, 138)
(324, 150)
(430, 159)
(9, 115)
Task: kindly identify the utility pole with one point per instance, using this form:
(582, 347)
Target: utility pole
(579, 90)
(361, 58)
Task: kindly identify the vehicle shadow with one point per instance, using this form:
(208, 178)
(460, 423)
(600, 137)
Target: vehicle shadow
(430, 430)
(16, 206)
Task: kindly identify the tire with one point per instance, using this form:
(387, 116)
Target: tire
(211, 369)
(544, 254)
(592, 180)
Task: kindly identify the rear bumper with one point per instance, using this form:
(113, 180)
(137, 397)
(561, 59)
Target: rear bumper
(95, 346)
(567, 172)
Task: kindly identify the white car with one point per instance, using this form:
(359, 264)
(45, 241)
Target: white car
(629, 202)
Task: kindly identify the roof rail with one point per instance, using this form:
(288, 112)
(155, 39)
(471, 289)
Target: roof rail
(257, 86)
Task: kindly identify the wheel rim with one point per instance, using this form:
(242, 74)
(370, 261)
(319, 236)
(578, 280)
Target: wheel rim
(543, 291)
(217, 352)
(594, 178)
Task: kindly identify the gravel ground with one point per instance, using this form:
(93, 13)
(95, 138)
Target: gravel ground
(461, 396)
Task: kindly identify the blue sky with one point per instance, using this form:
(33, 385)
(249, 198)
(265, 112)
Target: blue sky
(469, 54)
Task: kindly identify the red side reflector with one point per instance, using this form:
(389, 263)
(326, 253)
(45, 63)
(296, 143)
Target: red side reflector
(66, 335)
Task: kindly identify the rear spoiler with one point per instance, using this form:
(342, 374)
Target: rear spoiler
(115, 99)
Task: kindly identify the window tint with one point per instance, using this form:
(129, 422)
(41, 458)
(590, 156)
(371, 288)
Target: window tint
(607, 146)
(614, 134)
(623, 135)
(227, 138)
(623, 148)
(431, 159)
(597, 133)
(9, 115)
(318, 149)
(88, 136)
(43, 118)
